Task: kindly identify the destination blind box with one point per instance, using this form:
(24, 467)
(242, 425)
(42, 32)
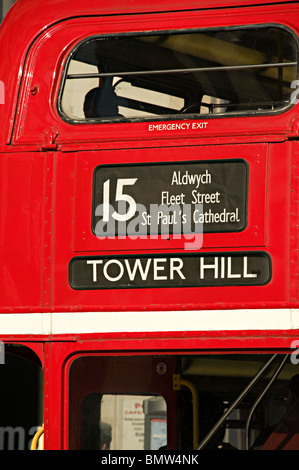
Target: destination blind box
(175, 270)
(211, 194)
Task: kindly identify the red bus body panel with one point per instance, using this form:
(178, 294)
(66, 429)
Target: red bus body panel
(47, 223)
(46, 178)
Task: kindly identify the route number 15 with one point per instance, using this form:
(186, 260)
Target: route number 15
(119, 196)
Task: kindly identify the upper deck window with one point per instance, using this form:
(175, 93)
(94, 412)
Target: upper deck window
(245, 70)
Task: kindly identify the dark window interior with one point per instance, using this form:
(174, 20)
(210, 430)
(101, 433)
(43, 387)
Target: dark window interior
(209, 401)
(245, 70)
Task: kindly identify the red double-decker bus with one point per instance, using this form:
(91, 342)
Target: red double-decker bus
(149, 225)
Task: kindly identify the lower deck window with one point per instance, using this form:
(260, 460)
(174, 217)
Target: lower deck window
(226, 401)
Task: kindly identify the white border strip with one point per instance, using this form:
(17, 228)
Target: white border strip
(60, 323)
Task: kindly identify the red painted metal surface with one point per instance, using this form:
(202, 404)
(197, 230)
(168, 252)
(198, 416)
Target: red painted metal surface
(50, 206)
(46, 174)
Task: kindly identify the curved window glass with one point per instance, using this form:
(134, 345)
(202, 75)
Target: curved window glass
(210, 72)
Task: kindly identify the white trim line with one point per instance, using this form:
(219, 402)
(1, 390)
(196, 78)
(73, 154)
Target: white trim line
(59, 323)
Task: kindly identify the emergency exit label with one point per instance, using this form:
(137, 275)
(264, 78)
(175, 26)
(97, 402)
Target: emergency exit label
(158, 198)
(180, 270)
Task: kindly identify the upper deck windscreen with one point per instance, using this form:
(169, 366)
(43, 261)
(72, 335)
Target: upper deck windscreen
(245, 70)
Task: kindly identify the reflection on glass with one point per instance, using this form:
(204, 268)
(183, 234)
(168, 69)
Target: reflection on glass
(218, 72)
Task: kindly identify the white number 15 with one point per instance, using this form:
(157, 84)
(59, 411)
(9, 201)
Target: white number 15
(119, 196)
